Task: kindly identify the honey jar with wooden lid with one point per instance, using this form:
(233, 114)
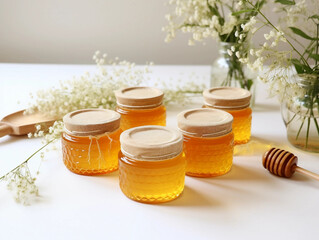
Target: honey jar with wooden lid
(151, 164)
(208, 141)
(140, 106)
(90, 141)
(235, 101)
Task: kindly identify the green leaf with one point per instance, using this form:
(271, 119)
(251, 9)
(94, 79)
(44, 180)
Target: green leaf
(242, 11)
(301, 33)
(300, 67)
(286, 2)
(212, 9)
(314, 56)
(314, 17)
(249, 83)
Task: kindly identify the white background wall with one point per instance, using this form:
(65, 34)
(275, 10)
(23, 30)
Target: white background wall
(69, 31)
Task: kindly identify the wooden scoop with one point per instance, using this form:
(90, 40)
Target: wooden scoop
(284, 164)
(19, 124)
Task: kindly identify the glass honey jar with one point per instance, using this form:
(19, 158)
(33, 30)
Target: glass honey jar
(140, 106)
(151, 164)
(90, 141)
(236, 102)
(208, 141)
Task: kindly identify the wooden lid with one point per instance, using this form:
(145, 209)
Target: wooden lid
(227, 97)
(87, 122)
(151, 143)
(205, 122)
(139, 97)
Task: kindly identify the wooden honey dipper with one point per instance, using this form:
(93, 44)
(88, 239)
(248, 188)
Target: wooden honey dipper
(284, 164)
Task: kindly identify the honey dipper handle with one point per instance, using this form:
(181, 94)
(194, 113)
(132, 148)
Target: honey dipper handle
(5, 130)
(306, 172)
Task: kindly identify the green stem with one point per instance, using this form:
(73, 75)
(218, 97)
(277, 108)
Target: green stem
(316, 123)
(317, 42)
(291, 119)
(303, 121)
(27, 159)
(307, 134)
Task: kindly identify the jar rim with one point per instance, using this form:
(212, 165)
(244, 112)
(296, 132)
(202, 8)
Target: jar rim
(91, 122)
(227, 97)
(205, 122)
(139, 97)
(150, 143)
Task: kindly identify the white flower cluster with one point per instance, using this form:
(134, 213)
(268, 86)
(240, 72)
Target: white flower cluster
(97, 91)
(88, 91)
(181, 94)
(22, 184)
(209, 19)
(267, 53)
(294, 13)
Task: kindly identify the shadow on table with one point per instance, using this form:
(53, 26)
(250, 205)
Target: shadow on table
(114, 176)
(257, 146)
(191, 198)
(240, 173)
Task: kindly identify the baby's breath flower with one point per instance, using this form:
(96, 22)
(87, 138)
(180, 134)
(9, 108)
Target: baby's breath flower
(205, 19)
(22, 184)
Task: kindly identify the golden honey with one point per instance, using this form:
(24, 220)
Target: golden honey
(139, 117)
(140, 106)
(91, 155)
(90, 141)
(241, 125)
(236, 102)
(208, 141)
(152, 181)
(151, 164)
(208, 157)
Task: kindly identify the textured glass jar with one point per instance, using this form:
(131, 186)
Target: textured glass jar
(208, 141)
(300, 113)
(228, 71)
(90, 142)
(140, 106)
(236, 102)
(151, 164)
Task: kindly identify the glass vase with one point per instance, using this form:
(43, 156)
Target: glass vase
(227, 70)
(300, 113)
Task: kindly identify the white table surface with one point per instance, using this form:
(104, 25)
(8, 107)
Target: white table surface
(246, 203)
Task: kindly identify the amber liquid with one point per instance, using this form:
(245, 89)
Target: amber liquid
(91, 155)
(208, 157)
(152, 181)
(139, 117)
(241, 124)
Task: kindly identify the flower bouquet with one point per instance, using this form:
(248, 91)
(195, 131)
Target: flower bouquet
(230, 23)
(291, 53)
